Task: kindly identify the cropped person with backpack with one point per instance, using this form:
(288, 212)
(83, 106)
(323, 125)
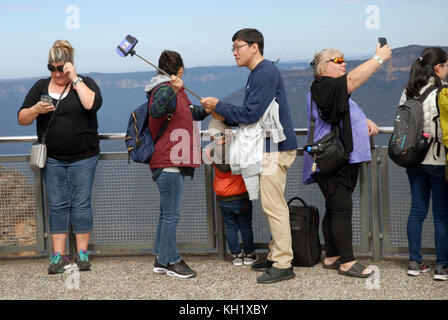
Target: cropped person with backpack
(177, 153)
(427, 179)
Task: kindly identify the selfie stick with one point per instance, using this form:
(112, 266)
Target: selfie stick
(132, 53)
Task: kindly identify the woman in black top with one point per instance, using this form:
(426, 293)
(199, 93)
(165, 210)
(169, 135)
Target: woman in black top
(331, 91)
(72, 150)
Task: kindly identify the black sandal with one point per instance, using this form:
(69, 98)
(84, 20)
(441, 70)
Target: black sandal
(355, 271)
(334, 266)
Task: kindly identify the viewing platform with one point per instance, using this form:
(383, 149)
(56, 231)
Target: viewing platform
(126, 209)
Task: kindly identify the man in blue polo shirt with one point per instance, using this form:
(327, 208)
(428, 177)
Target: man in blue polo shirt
(263, 85)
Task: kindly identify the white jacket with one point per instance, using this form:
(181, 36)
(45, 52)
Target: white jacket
(429, 112)
(246, 149)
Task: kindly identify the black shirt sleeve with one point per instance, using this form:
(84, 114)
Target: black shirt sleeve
(91, 84)
(34, 94)
(332, 100)
(331, 97)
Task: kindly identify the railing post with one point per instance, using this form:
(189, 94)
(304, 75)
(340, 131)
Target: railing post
(364, 202)
(42, 237)
(385, 207)
(375, 205)
(217, 236)
(210, 205)
(220, 235)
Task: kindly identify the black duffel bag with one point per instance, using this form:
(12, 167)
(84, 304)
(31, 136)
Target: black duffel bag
(304, 221)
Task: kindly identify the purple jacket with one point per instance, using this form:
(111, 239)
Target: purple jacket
(361, 141)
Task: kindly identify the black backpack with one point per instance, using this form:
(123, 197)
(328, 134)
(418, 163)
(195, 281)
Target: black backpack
(304, 221)
(407, 145)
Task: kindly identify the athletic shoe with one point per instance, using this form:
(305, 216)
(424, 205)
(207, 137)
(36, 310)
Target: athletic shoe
(440, 272)
(82, 260)
(180, 270)
(158, 268)
(415, 268)
(237, 259)
(57, 263)
(250, 259)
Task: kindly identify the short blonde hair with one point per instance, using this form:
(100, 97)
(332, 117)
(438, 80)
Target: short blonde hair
(321, 58)
(62, 51)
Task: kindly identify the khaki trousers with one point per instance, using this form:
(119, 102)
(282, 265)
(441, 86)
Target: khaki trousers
(272, 188)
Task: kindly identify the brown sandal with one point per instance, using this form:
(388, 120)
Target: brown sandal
(355, 271)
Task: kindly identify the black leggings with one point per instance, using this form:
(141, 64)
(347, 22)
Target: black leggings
(337, 189)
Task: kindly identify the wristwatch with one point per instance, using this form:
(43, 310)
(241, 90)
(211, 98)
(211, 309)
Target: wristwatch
(78, 80)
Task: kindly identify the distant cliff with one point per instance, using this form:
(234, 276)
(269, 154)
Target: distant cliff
(122, 92)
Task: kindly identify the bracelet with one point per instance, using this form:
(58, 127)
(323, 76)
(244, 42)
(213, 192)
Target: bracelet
(78, 80)
(378, 59)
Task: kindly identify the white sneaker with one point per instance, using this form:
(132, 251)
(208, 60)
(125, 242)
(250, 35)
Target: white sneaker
(237, 259)
(250, 259)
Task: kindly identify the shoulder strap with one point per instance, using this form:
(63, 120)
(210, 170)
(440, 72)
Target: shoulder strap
(334, 126)
(426, 93)
(168, 117)
(312, 124)
(435, 139)
(44, 136)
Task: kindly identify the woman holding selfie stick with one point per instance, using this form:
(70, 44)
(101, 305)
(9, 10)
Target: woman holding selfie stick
(177, 154)
(72, 150)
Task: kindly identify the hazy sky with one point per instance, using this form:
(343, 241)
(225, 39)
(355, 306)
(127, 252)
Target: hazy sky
(201, 30)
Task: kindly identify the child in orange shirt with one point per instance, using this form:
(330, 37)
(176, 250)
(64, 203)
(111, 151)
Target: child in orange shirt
(232, 196)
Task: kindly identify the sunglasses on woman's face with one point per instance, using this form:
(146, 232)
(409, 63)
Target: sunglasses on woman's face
(337, 60)
(52, 68)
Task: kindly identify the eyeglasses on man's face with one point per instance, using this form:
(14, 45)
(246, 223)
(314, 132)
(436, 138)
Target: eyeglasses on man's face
(237, 48)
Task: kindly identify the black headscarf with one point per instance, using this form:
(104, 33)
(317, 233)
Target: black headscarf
(331, 97)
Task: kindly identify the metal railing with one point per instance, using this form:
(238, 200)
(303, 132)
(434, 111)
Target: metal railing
(125, 201)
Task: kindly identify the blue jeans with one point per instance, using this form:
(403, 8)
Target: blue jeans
(428, 181)
(171, 188)
(238, 216)
(68, 186)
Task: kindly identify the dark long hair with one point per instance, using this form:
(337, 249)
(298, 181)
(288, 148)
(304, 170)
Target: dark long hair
(170, 62)
(423, 69)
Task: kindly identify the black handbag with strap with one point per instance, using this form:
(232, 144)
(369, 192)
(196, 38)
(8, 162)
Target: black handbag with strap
(329, 152)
